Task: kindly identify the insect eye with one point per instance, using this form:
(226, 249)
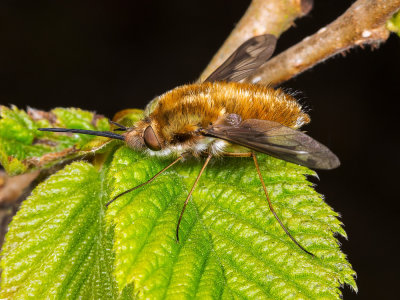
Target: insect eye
(150, 139)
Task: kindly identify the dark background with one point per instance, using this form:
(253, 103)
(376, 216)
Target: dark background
(111, 55)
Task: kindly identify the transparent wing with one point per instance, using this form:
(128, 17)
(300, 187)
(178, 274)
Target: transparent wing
(246, 59)
(277, 140)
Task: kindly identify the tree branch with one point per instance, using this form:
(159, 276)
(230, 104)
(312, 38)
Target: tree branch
(363, 23)
(11, 188)
(262, 16)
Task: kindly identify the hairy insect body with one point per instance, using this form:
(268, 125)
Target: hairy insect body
(177, 116)
(222, 116)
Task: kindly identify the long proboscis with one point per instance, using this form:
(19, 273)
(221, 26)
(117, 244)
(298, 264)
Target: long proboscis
(83, 131)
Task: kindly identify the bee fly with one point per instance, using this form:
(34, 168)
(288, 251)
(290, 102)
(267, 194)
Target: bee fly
(224, 117)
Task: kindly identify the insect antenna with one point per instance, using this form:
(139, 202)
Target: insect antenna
(148, 181)
(272, 209)
(190, 194)
(83, 131)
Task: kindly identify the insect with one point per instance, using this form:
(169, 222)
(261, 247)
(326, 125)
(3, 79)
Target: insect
(224, 117)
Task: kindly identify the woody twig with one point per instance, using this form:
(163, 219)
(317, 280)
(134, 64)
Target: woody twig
(262, 16)
(363, 23)
(11, 188)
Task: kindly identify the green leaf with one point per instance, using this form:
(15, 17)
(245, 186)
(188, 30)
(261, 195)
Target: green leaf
(128, 117)
(394, 23)
(230, 244)
(24, 148)
(58, 245)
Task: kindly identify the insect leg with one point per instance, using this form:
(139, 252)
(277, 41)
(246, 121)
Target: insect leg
(272, 209)
(190, 194)
(232, 154)
(148, 181)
